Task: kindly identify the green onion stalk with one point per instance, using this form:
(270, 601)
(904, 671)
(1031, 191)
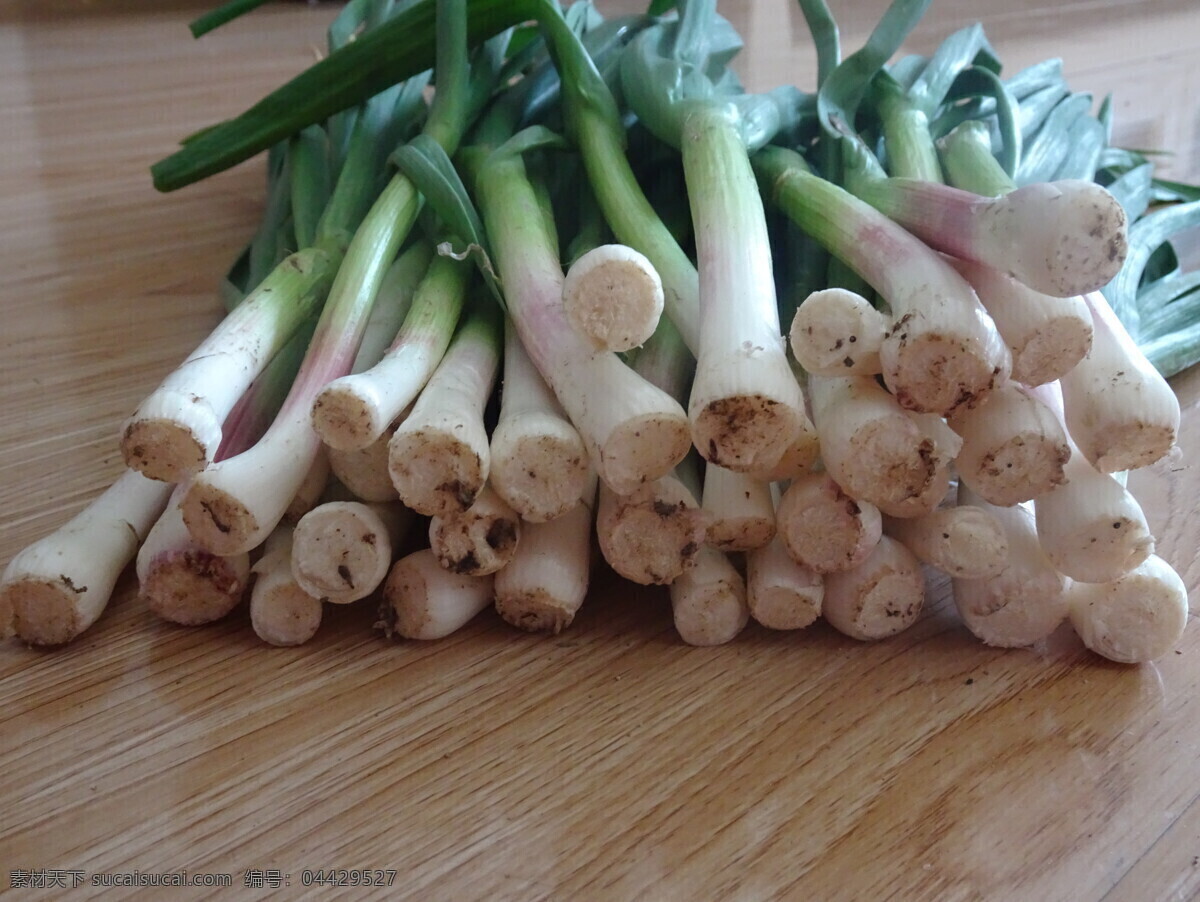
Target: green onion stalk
(439, 458)
(942, 351)
(353, 411)
(1119, 409)
(1061, 238)
(59, 586)
(175, 432)
(746, 407)
(633, 431)
(180, 581)
(398, 49)
(1047, 336)
(232, 506)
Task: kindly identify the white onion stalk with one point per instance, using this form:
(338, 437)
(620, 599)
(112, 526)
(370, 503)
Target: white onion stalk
(539, 462)
(353, 411)
(1046, 335)
(877, 598)
(1061, 238)
(745, 407)
(962, 541)
(781, 593)
(439, 457)
(613, 297)
(176, 431)
(741, 514)
(875, 449)
(58, 586)
(927, 501)
(364, 471)
(424, 600)
(181, 582)
(341, 550)
(708, 601)
(233, 505)
(312, 487)
(943, 351)
(478, 541)
(1024, 602)
(634, 431)
(653, 534)
(836, 332)
(1120, 411)
(797, 459)
(1091, 528)
(1014, 448)
(281, 612)
(822, 527)
(545, 584)
(1137, 617)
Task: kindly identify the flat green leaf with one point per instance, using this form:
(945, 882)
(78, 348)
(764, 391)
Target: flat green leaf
(225, 13)
(1146, 237)
(1169, 305)
(396, 50)
(1105, 117)
(1132, 190)
(1167, 190)
(824, 30)
(1038, 77)
(536, 137)
(966, 48)
(1174, 353)
(1085, 141)
(1163, 264)
(424, 161)
(1050, 146)
(1034, 108)
(980, 82)
(907, 70)
(347, 24)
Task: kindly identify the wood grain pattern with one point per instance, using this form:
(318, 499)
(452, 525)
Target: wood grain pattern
(611, 762)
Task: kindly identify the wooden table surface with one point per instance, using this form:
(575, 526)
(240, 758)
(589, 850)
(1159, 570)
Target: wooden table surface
(610, 762)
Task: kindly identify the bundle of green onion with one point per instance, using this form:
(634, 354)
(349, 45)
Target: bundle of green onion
(594, 222)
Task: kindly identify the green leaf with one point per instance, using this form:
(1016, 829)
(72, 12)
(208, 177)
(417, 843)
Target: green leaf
(396, 50)
(424, 161)
(536, 137)
(967, 48)
(1132, 190)
(661, 7)
(1050, 146)
(907, 70)
(982, 82)
(1105, 117)
(1085, 141)
(1167, 190)
(347, 24)
(1163, 264)
(1034, 108)
(824, 30)
(1169, 305)
(604, 44)
(222, 14)
(1173, 354)
(1038, 77)
(1147, 237)
(844, 89)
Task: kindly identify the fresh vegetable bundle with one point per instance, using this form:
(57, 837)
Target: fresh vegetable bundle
(594, 222)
